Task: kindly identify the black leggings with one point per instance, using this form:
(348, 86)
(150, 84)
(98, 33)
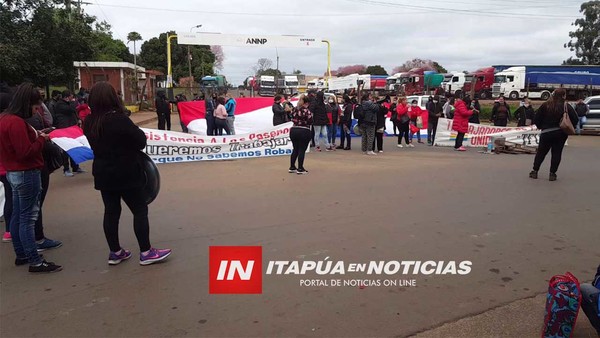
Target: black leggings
(39, 223)
(300, 139)
(404, 132)
(379, 141)
(8, 204)
(136, 202)
(460, 137)
(221, 124)
(555, 141)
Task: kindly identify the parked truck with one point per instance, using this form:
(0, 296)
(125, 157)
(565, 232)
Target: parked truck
(482, 80)
(266, 85)
(290, 84)
(419, 82)
(393, 82)
(457, 82)
(214, 83)
(540, 81)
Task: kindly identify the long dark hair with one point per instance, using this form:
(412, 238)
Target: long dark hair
(102, 100)
(556, 103)
(23, 99)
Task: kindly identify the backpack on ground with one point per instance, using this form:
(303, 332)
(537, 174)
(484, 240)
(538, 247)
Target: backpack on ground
(562, 306)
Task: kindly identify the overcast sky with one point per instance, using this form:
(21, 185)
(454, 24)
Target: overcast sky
(459, 34)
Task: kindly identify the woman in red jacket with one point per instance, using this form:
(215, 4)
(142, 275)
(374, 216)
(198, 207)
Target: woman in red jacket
(460, 124)
(403, 121)
(414, 111)
(21, 153)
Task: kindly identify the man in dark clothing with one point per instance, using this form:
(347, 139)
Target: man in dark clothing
(582, 110)
(500, 113)
(56, 96)
(368, 123)
(65, 116)
(209, 105)
(434, 110)
(320, 120)
(346, 123)
(163, 111)
(279, 114)
(380, 124)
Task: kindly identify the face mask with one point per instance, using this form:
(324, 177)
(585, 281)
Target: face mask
(435, 101)
(414, 105)
(330, 102)
(522, 104)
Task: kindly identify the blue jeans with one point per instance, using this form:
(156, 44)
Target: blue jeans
(321, 132)
(331, 133)
(580, 124)
(590, 296)
(27, 188)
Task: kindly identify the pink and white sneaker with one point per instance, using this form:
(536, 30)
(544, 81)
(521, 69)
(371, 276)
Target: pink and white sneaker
(154, 256)
(6, 238)
(461, 149)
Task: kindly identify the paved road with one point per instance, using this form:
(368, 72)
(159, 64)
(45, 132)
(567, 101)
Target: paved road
(417, 204)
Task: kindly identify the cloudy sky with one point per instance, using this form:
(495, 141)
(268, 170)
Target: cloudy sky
(459, 34)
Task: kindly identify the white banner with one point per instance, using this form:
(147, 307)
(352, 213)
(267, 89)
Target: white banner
(269, 41)
(172, 147)
(480, 135)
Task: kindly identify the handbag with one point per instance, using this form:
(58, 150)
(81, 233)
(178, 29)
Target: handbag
(565, 123)
(419, 122)
(404, 118)
(152, 177)
(53, 156)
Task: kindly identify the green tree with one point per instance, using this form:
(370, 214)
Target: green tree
(269, 72)
(585, 40)
(153, 55)
(376, 70)
(106, 48)
(439, 68)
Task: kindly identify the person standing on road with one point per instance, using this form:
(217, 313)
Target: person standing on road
(525, 113)
(65, 116)
(476, 109)
(582, 110)
(346, 124)
(163, 110)
(383, 108)
(279, 114)
(118, 173)
(230, 108)
(434, 109)
(552, 137)
(209, 107)
(460, 123)
(415, 112)
(221, 117)
(368, 123)
(334, 110)
(300, 135)
(320, 121)
(403, 121)
(21, 153)
(500, 113)
(394, 117)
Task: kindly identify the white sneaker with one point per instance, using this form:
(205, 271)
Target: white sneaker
(371, 153)
(400, 146)
(410, 145)
(69, 173)
(381, 151)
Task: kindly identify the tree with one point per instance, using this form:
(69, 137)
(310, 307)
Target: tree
(262, 65)
(269, 72)
(353, 69)
(219, 56)
(153, 56)
(587, 36)
(426, 64)
(376, 70)
(106, 48)
(134, 36)
(297, 72)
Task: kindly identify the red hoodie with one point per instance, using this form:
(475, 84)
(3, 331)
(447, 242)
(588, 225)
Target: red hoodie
(83, 110)
(20, 145)
(460, 123)
(415, 111)
(401, 109)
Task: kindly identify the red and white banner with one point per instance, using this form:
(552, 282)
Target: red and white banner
(252, 114)
(480, 135)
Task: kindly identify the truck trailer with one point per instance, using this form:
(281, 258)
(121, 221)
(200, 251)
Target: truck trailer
(518, 82)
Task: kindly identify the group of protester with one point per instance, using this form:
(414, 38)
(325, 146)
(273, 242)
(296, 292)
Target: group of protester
(25, 124)
(323, 118)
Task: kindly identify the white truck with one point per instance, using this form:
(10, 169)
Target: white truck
(316, 84)
(393, 82)
(457, 82)
(290, 84)
(266, 85)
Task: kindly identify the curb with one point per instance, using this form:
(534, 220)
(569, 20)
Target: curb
(146, 121)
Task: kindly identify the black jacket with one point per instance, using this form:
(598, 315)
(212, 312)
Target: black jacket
(522, 114)
(347, 117)
(335, 113)
(279, 114)
(546, 117)
(65, 115)
(582, 109)
(433, 109)
(162, 106)
(370, 111)
(499, 114)
(319, 112)
(117, 162)
(381, 115)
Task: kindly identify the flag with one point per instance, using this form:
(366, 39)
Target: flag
(73, 141)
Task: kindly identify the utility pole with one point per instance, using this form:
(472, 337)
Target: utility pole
(190, 61)
(277, 73)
